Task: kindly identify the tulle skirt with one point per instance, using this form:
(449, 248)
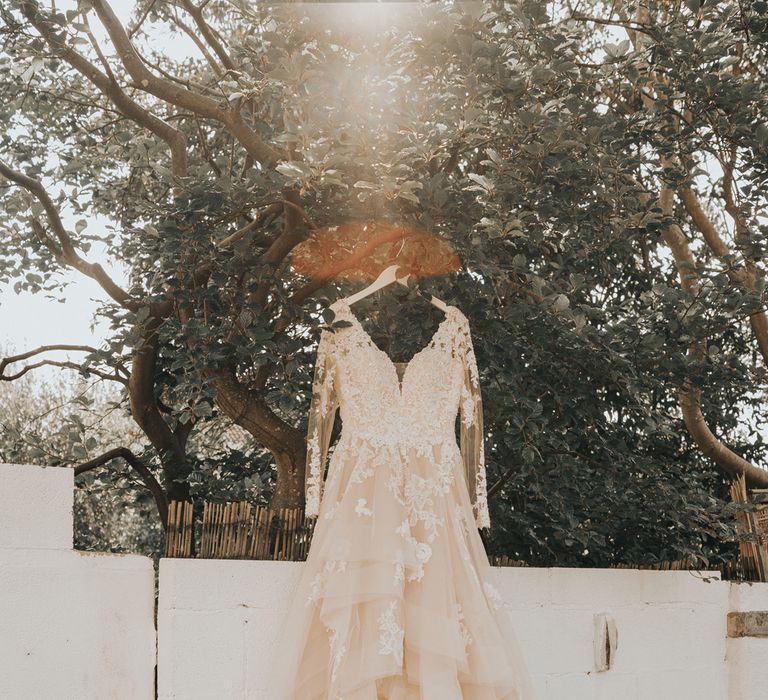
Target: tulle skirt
(396, 599)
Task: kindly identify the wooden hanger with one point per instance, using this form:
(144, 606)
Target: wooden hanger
(387, 277)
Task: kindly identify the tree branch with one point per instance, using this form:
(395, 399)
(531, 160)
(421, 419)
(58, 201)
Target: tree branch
(141, 469)
(108, 86)
(68, 365)
(67, 250)
(4, 362)
(150, 6)
(181, 97)
(197, 14)
(215, 67)
(739, 274)
(688, 397)
(145, 411)
(629, 26)
(740, 226)
(270, 210)
(745, 275)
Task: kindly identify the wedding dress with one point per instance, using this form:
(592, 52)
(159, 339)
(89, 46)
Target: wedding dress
(396, 598)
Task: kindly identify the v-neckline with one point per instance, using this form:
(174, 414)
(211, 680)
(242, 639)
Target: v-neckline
(390, 362)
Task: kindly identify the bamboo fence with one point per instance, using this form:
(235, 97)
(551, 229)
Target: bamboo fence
(753, 524)
(504, 560)
(239, 530)
(179, 531)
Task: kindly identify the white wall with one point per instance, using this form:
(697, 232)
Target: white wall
(73, 625)
(671, 630)
(747, 657)
(79, 625)
(232, 609)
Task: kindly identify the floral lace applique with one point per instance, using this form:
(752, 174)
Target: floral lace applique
(394, 481)
(361, 473)
(493, 594)
(317, 584)
(463, 630)
(423, 552)
(315, 588)
(361, 507)
(419, 500)
(313, 484)
(322, 413)
(391, 634)
(471, 422)
(337, 652)
(330, 511)
(482, 515)
(461, 516)
(399, 576)
(404, 529)
(390, 413)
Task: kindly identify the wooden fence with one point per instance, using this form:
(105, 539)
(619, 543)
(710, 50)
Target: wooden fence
(239, 530)
(753, 527)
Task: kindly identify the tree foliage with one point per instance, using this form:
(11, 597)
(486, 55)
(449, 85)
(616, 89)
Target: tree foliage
(601, 177)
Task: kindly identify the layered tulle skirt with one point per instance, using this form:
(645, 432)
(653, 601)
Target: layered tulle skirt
(396, 599)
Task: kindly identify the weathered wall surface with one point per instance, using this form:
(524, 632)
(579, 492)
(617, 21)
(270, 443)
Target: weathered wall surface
(670, 630)
(80, 626)
(73, 625)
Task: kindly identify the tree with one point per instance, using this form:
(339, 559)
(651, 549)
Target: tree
(547, 157)
(66, 419)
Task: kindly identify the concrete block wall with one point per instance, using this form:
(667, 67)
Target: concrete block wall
(217, 621)
(36, 507)
(747, 657)
(671, 631)
(79, 625)
(73, 625)
(671, 628)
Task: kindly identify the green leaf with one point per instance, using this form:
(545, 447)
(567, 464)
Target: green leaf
(481, 180)
(761, 132)
(328, 315)
(561, 302)
(293, 169)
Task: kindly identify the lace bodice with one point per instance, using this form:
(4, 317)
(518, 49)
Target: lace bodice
(407, 404)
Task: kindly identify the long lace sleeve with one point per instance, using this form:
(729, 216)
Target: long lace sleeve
(472, 436)
(322, 411)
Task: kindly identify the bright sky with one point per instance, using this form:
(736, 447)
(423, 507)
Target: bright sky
(29, 320)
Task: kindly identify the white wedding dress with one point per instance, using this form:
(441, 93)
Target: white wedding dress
(396, 598)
